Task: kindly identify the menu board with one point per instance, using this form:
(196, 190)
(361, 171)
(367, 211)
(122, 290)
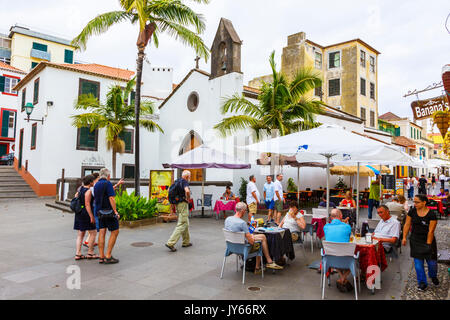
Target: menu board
(399, 187)
(160, 181)
(388, 181)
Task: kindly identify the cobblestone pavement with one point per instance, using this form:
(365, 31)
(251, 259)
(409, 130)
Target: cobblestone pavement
(440, 292)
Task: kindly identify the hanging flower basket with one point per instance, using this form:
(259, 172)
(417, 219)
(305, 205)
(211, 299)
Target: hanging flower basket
(441, 119)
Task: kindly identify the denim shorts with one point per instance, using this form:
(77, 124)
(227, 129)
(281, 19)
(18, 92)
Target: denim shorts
(270, 204)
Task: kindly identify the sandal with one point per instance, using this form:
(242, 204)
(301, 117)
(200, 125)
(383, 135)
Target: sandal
(111, 260)
(80, 257)
(91, 256)
(101, 260)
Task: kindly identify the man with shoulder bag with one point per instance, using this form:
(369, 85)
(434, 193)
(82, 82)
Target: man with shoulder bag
(179, 194)
(105, 208)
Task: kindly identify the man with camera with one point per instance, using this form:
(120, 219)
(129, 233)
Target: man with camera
(182, 207)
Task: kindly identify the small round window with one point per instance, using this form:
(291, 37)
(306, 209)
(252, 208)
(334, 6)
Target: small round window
(192, 102)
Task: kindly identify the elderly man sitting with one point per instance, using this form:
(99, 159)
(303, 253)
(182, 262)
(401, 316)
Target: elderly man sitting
(339, 231)
(236, 224)
(387, 230)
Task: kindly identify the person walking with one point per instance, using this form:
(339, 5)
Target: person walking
(84, 221)
(423, 185)
(374, 195)
(415, 183)
(108, 217)
(269, 193)
(442, 178)
(410, 188)
(182, 209)
(433, 184)
(422, 241)
(279, 198)
(252, 197)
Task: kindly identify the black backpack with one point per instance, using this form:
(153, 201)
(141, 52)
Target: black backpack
(176, 192)
(77, 203)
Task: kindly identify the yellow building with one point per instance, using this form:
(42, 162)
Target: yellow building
(349, 70)
(29, 47)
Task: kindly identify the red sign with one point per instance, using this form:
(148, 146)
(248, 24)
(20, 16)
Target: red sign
(423, 109)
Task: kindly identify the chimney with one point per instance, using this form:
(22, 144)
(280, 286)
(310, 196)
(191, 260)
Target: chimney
(296, 38)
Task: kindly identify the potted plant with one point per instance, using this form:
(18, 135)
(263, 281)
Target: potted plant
(243, 190)
(291, 189)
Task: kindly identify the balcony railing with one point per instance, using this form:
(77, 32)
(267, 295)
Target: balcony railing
(40, 54)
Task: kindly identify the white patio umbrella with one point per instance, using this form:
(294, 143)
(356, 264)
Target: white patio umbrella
(331, 142)
(203, 157)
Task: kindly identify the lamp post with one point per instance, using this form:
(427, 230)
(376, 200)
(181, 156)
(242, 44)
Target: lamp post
(28, 110)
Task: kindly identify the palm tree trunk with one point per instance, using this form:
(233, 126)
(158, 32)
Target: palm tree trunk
(137, 111)
(114, 163)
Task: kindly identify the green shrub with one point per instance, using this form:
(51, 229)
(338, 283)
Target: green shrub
(131, 207)
(291, 186)
(243, 190)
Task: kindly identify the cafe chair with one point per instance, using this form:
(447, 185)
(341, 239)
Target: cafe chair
(236, 244)
(302, 243)
(372, 224)
(310, 228)
(208, 201)
(340, 255)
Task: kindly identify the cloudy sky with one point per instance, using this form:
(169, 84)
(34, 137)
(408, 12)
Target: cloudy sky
(410, 34)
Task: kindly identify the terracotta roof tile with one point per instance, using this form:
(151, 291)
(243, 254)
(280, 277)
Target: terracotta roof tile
(101, 70)
(6, 66)
(251, 89)
(389, 116)
(404, 141)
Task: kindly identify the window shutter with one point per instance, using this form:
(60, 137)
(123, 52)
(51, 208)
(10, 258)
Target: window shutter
(68, 56)
(89, 87)
(2, 83)
(84, 136)
(40, 46)
(133, 97)
(36, 92)
(5, 123)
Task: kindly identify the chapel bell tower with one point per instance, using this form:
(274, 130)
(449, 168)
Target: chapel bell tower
(226, 50)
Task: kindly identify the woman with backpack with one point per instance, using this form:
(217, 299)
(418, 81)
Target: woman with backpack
(84, 219)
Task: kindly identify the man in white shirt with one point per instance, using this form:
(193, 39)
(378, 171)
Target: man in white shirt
(279, 199)
(442, 178)
(252, 197)
(387, 230)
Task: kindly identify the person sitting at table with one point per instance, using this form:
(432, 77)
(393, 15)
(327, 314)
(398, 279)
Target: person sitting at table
(387, 230)
(402, 201)
(228, 195)
(446, 194)
(441, 193)
(323, 203)
(348, 201)
(293, 220)
(339, 231)
(398, 208)
(237, 224)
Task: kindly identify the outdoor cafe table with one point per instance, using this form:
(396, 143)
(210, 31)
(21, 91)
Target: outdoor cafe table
(223, 205)
(279, 241)
(370, 254)
(440, 207)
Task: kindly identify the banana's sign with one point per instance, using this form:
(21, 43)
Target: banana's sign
(423, 109)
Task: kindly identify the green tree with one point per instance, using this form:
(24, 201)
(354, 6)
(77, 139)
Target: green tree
(114, 116)
(283, 105)
(153, 17)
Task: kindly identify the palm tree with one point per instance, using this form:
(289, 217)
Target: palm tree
(283, 106)
(153, 17)
(114, 116)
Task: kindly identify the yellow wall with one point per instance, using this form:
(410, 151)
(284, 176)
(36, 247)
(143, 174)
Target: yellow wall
(21, 49)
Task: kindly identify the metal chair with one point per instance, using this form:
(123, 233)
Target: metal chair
(372, 224)
(310, 228)
(208, 201)
(236, 244)
(340, 255)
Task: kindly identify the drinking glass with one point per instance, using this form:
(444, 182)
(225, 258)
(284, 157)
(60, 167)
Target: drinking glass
(357, 233)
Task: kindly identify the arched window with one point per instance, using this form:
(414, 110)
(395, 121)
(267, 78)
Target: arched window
(191, 141)
(223, 56)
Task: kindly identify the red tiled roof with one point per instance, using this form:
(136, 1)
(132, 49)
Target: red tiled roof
(404, 141)
(251, 89)
(6, 66)
(101, 70)
(389, 116)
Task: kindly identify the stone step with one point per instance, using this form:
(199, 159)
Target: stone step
(11, 179)
(63, 203)
(18, 195)
(58, 207)
(9, 174)
(20, 191)
(17, 184)
(10, 189)
(7, 169)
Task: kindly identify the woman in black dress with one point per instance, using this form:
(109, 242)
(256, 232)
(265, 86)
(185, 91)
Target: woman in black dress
(422, 241)
(85, 220)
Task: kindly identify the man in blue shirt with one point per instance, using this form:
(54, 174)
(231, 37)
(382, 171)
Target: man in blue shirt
(338, 231)
(105, 203)
(269, 193)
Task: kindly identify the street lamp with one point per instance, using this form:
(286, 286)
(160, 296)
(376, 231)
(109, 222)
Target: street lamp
(28, 110)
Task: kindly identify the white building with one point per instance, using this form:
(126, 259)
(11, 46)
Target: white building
(50, 143)
(9, 77)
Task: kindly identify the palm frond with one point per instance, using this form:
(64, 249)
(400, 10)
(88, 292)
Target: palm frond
(305, 80)
(186, 36)
(238, 103)
(91, 120)
(150, 125)
(86, 101)
(117, 145)
(233, 124)
(98, 25)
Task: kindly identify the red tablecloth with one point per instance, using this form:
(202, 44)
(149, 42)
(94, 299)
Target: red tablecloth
(371, 255)
(440, 207)
(220, 206)
(320, 224)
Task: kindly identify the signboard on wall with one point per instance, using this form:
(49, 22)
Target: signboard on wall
(423, 109)
(160, 181)
(399, 187)
(388, 181)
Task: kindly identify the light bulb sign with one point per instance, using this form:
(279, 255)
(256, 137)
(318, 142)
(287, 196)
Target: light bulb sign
(423, 109)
